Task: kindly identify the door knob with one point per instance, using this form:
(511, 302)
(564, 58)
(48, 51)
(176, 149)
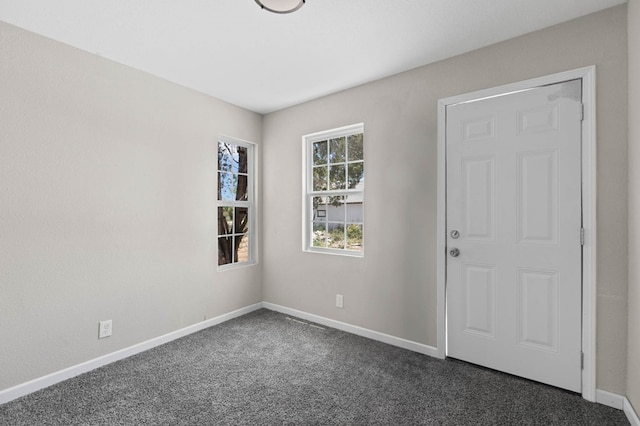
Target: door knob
(454, 252)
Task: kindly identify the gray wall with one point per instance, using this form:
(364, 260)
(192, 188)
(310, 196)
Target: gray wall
(106, 206)
(633, 367)
(393, 288)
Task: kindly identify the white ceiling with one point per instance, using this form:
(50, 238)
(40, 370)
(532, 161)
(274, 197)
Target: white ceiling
(233, 50)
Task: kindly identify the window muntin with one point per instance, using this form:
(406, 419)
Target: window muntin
(235, 202)
(334, 199)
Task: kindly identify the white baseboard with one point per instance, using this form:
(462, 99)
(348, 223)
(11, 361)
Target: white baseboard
(353, 329)
(609, 399)
(632, 415)
(619, 402)
(51, 379)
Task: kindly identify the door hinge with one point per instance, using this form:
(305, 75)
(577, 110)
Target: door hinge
(581, 360)
(581, 236)
(581, 112)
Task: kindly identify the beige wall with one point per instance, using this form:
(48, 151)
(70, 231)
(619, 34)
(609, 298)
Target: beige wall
(633, 366)
(393, 288)
(106, 206)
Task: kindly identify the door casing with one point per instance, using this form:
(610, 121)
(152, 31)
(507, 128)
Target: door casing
(588, 163)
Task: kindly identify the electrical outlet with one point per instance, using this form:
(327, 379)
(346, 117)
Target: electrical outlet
(104, 330)
(339, 301)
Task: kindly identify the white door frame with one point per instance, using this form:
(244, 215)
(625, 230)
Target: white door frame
(588, 145)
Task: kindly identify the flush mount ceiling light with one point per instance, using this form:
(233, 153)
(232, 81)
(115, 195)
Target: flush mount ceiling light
(280, 6)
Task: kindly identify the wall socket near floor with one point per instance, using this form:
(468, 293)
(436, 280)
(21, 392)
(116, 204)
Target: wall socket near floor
(339, 301)
(104, 329)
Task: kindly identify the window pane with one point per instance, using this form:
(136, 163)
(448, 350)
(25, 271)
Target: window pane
(225, 250)
(232, 187)
(241, 220)
(227, 157)
(232, 158)
(242, 189)
(242, 248)
(354, 208)
(337, 177)
(337, 150)
(319, 208)
(336, 235)
(335, 209)
(320, 178)
(319, 237)
(227, 186)
(242, 157)
(319, 153)
(354, 237)
(355, 175)
(225, 160)
(225, 220)
(354, 143)
(319, 201)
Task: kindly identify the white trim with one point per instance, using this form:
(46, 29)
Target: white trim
(609, 399)
(589, 223)
(441, 231)
(589, 274)
(353, 329)
(51, 379)
(618, 402)
(632, 415)
(351, 129)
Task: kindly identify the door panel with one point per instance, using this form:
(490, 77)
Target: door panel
(479, 289)
(537, 190)
(538, 310)
(478, 198)
(514, 196)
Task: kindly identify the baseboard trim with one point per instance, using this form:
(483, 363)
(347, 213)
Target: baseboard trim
(619, 402)
(360, 331)
(632, 415)
(51, 379)
(609, 399)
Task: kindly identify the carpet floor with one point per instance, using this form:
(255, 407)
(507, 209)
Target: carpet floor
(265, 368)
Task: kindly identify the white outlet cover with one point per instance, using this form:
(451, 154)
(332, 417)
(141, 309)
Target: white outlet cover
(104, 330)
(339, 301)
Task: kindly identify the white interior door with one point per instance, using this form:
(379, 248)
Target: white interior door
(513, 188)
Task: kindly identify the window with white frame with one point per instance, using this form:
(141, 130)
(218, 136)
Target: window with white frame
(334, 191)
(235, 202)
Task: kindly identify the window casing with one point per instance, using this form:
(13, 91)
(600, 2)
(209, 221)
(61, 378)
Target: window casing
(235, 205)
(333, 217)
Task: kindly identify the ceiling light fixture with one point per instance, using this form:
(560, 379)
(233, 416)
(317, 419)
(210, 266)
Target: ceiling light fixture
(280, 6)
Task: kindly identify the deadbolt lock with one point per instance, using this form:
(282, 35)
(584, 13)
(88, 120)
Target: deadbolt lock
(455, 234)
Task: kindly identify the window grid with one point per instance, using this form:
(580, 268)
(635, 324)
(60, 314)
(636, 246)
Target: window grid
(335, 191)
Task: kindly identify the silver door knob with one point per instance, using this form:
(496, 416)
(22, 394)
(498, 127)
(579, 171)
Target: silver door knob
(454, 252)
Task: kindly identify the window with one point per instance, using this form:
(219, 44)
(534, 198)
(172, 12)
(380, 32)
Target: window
(235, 202)
(334, 191)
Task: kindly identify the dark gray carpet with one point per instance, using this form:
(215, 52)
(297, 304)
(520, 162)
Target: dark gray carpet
(267, 369)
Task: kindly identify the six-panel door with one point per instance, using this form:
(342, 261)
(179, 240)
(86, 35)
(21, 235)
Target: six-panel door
(514, 199)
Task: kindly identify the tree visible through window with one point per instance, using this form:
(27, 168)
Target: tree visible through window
(335, 190)
(235, 202)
